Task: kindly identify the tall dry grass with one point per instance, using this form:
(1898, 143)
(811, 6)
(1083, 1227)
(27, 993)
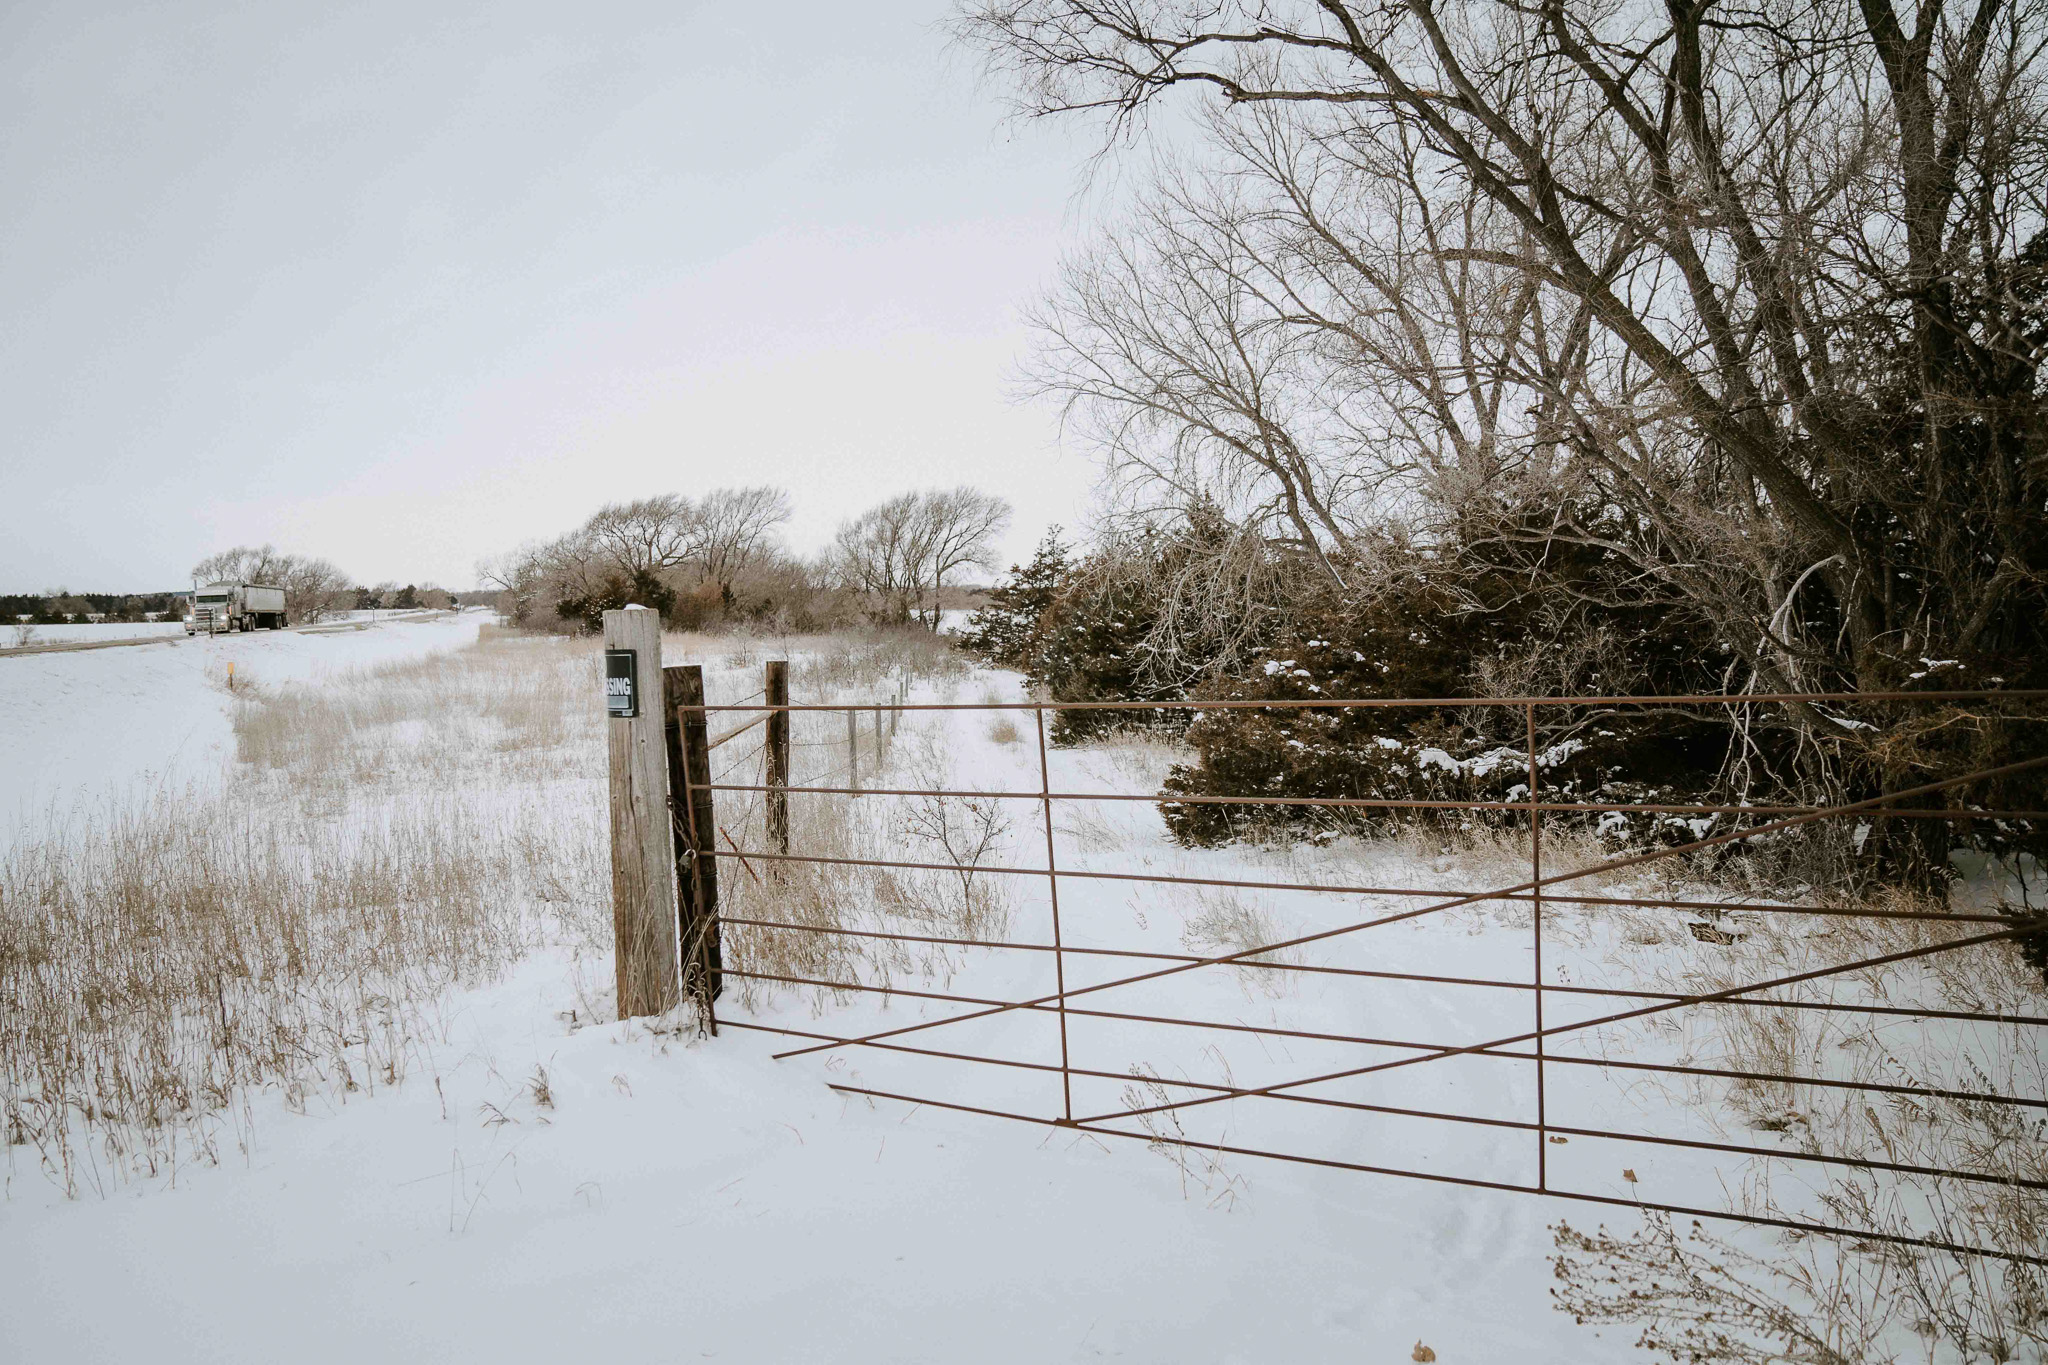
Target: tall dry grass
(1723, 1298)
(388, 834)
(509, 711)
(829, 904)
(167, 955)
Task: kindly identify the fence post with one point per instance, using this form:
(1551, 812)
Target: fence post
(696, 830)
(1536, 925)
(881, 758)
(777, 693)
(853, 748)
(643, 850)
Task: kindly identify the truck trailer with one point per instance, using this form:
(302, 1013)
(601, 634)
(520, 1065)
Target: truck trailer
(219, 607)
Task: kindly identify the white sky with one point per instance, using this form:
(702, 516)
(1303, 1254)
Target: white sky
(405, 285)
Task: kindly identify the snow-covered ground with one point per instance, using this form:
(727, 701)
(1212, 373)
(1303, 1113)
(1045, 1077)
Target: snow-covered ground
(89, 631)
(82, 725)
(546, 1182)
(85, 632)
(699, 1201)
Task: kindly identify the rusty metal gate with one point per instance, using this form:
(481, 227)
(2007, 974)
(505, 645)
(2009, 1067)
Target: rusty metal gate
(1095, 995)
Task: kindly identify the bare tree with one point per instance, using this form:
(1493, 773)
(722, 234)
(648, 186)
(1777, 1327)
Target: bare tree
(1773, 283)
(721, 539)
(242, 564)
(959, 531)
(650, 535)
(313, 588)
(901, 553)
(878, 553)
(1288, 334)
(735, 530)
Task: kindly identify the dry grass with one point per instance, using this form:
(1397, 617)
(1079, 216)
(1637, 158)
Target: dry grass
(1863, 1300)
(165, 956)
(860, 665)
(509, 711)
(1225, 922)
(390, 833)
(837, 899)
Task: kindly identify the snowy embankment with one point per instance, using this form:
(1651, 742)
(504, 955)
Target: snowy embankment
(90, 632)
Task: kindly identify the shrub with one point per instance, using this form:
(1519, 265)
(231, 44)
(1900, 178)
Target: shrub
(1419, 635)
(1005, 630)
(1147, 616)
(615, 591)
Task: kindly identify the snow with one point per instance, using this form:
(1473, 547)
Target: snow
(681, 1198)
(93, 631)
(703, 1202)
(80, 724)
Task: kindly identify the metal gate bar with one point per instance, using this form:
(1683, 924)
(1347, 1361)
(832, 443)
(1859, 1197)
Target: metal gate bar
(1541, 887)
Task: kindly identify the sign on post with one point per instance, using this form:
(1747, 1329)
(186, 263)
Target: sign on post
(621, 683)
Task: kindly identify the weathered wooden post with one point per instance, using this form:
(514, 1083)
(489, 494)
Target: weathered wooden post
(643, 852)
(881, 759)
(696, 834)
(853, 748)
(777, 691)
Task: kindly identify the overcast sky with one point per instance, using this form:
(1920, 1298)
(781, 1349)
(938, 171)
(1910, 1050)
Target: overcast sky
(404, 285)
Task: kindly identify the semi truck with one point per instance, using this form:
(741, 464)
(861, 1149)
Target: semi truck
(219, 607)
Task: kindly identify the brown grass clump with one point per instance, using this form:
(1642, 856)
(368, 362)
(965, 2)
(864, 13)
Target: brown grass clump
(164, 956)
(1223, 922)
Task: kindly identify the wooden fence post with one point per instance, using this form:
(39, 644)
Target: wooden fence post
(777, 691)
(643, 851)
(696, 832)
(853, 748)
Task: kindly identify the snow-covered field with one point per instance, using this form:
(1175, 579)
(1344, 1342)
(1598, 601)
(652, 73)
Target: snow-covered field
(699, 1201)
(92, 631)
(544, 1181)
(82, 725)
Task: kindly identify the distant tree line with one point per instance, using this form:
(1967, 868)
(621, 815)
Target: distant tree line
(313, 588)
(411, 597)
(60, 605)
(720, 558)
